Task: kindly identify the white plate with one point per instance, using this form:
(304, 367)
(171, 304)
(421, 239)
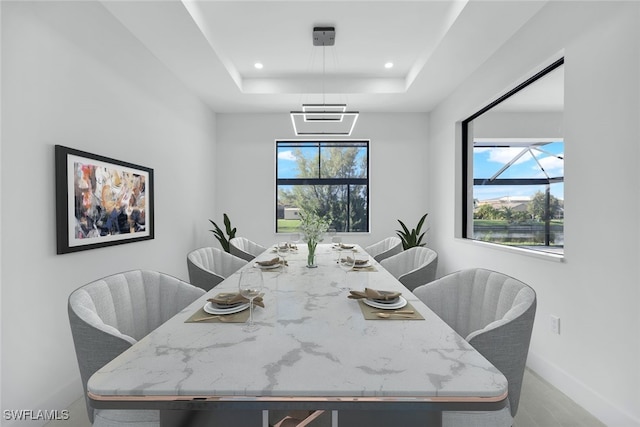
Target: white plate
(401, 303)
(365, 265)
(267, 267)
(211, 309)
(386, 302)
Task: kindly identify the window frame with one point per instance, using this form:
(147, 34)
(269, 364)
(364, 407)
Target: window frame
(324, 143)
(467, 151)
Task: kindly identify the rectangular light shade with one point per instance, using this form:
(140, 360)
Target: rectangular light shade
(323, 120)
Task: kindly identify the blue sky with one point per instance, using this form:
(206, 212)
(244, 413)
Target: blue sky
(287, 166)
(488, 161)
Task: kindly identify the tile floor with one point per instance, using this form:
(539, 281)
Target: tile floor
(541, 405)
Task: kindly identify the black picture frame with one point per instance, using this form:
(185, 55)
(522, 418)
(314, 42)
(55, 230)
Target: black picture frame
(101, 201)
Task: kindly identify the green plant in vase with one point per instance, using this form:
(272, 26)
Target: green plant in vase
(412, 238)
(219, 233)
(312, 227)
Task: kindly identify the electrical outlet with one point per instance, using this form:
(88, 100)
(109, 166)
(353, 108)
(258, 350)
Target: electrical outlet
(555, 324)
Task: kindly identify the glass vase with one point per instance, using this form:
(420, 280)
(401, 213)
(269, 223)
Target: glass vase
(311, 256)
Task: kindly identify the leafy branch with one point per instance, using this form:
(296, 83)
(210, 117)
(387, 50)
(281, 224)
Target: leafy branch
(231, 233)
(414, 237)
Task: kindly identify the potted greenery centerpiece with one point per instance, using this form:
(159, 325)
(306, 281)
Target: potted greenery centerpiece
(231, 233)
(312, 227)
(411, 238)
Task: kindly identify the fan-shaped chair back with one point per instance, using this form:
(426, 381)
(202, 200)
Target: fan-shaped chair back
(109, 315)
(245, 248)
(494, 313)
(385, 248)
(210, 266)
(413, 267)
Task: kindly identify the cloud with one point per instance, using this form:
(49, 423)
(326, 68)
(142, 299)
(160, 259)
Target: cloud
(506, 154)
(287, 155)
(553, 165)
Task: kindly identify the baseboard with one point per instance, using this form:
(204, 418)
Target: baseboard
(593, 402)
(57, 400)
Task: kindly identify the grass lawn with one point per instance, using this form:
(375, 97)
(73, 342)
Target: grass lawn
(288, 225)
(494, 222)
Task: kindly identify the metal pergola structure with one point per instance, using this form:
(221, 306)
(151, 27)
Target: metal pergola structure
(527, 148)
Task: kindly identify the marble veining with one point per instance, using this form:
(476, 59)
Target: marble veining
(313, 342)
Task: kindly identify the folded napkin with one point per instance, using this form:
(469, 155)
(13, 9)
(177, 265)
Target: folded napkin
(358, 261)
(231, 298)
(270, 262)
(374, 294)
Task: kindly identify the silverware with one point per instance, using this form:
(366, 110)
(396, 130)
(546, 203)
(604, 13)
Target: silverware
(396, 312)
(388, 315)
(222, 318)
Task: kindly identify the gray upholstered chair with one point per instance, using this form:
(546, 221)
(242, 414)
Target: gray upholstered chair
(210, 266)
(413, 267)
(245, 248)
(494, 313)
(385, 248)
(109, 315)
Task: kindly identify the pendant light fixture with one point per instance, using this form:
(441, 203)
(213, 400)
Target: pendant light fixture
(324, 119)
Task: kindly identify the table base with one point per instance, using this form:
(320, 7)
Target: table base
(260, 418)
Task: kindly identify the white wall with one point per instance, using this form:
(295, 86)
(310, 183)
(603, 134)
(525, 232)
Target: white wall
(246, 148)
(596, 290)
(518, 125)
(72, 75)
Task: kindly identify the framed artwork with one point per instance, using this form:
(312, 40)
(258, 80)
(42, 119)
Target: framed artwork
(100, 201)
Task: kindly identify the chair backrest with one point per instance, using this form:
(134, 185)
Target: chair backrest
(385, 248)
(245, 248)
(413, 267)
(493, 312)
(109, 315)
(210, 266)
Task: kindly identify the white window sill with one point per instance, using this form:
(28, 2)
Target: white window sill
(513, 249)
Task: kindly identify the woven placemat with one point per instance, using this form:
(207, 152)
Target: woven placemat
(370, 268)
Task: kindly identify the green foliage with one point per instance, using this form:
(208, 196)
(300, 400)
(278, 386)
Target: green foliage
(486, 212)
(414, 237)
(231, 233)
(537, 206)
(313, 226)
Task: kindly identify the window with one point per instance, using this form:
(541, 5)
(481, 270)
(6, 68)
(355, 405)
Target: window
(513, 166)
(330, 178)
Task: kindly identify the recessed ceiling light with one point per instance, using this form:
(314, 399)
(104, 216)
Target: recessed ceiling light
(388, 65)
(258, 65)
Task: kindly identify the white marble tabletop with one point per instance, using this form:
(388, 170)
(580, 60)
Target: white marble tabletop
(313, 342)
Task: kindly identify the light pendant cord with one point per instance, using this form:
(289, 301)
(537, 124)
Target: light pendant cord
(323, 72)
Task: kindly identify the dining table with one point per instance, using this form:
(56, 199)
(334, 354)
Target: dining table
(320, 345)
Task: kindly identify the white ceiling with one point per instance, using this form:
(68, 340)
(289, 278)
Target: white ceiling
(212, 47)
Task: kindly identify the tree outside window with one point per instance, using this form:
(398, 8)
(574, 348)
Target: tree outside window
(330, 178)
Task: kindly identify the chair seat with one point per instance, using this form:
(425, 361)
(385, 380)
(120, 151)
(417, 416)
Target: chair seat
(245, 248)
(109, 315)
(210, 266)
(494, 313)
(385, 248)
(413, 267)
